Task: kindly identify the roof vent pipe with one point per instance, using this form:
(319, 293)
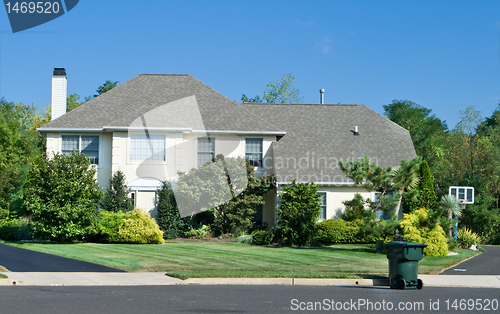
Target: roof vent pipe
(355, 132)
(322, 97)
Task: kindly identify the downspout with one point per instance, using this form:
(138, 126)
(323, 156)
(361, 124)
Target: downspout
(276, 205)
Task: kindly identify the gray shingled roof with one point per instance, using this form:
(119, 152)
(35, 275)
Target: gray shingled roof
(125, 103)
(319, 134)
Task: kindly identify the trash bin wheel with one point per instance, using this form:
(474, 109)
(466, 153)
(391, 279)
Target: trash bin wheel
(400, 284)
(420, 284)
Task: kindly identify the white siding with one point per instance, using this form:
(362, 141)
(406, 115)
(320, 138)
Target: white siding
(59, 91)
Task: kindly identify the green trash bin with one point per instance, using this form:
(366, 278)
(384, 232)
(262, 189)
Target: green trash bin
(403, 264)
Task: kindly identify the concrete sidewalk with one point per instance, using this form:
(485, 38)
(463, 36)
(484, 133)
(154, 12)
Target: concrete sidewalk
(149, 278)
(86, 279)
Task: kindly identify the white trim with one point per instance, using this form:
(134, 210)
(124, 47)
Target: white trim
(125, 128)
(240, 132)
(79, 130)
(145, 184)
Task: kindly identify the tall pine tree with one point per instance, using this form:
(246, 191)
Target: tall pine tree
(168, 217)
(426, 197)
(116, 197)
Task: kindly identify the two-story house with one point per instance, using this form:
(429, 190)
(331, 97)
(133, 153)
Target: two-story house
(153, 126)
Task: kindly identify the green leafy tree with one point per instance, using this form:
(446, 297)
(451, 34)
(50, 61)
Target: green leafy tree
(231, 201)
(256, 99)
(355, 209)
(426, 130)
(282, 92)
(373, 178)
(73, 101)
(62, 195)
(20, 143)
(168, 217)
(116, 197)
(107, 86)
(406, 178)
(298, 214)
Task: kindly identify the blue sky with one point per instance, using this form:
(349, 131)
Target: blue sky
(444, 55)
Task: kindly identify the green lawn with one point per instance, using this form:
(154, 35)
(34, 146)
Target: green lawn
(202, 259)
(2, 276)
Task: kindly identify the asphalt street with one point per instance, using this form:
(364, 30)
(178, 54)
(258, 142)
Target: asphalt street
(244, 299)
(21, 260)
(487, 263)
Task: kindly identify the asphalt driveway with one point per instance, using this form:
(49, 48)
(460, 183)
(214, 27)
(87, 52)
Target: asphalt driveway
(487, 263)
(21, 260)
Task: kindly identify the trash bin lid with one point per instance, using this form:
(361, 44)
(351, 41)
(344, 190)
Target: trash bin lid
(404, 244)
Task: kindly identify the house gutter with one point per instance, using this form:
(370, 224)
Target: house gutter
(238, 132)
(79, 130)
(124, 128)
(158, 129)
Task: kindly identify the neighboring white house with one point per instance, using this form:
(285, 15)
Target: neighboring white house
(153, 126)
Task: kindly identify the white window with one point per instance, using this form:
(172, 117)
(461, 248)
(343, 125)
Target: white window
(87, 144)
(144, 147)
(206, 150)
(322, 203)
(253, 151)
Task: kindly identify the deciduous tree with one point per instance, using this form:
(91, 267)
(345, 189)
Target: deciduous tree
(282, 92)
(62, 195)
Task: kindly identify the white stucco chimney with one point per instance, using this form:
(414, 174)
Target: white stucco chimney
(59, 92)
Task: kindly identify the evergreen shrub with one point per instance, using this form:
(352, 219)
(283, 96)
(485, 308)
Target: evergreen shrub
(168, 216)
(298, 214)
(262, 237)
(417, 228)
(116, 197)
(338, 231)
(17, 229)
(138, 227)
(200, 233)
(110, 224)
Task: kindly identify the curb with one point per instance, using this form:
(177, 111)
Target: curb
(160, 279)
(286, 282)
